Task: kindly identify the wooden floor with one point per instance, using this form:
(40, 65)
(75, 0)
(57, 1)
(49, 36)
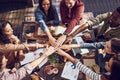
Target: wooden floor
(15, 13)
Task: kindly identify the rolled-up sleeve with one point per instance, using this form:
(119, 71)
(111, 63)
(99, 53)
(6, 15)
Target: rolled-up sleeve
(99, 45)
(76, 17)
(99, 19)
(39, 17)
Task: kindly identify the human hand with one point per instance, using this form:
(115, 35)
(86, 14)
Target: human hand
(59, 42)
(62, 53)
(15, 39)
(66, 47)
(68, 39)
(52, 41)
(21, 55)
(87, 36)
(50, 50)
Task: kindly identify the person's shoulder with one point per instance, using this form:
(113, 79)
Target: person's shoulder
(38, 9)
(53, 7)
(105, 15)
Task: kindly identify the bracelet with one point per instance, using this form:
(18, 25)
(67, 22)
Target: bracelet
(26, 47)
(65, 33)
(37, 45)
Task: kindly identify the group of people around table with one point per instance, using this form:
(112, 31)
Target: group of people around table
(71, 11)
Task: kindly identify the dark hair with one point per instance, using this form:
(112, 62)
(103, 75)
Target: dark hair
(3, 38)
(118, 10)
(1, 58)
(115, 68)
(40, 4)
(115, 45)
(50, 11)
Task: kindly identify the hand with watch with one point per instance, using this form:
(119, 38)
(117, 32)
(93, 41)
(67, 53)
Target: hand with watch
(69, 37)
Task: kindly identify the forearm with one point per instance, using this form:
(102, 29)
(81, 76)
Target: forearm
(43, 25)
(61, 52)
(34, 46)
(48, 52)
(74, 45)
(48, 33)
(12, 47)
(36, 62)
(80, 29)
(99, 45)
(45, 28)
(71, 24)
(88, 72)
(17, 47)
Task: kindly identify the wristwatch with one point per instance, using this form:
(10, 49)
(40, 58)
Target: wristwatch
(65, 33)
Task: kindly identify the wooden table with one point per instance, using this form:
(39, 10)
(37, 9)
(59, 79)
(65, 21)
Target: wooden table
(32, 31)
(60, 67)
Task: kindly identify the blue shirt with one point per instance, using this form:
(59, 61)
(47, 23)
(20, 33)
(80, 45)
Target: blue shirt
(96, 45)
(41, 17)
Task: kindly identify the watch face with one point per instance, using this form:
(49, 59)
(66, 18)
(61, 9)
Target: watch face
(66, 24)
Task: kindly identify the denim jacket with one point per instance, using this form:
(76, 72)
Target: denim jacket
(42, 18)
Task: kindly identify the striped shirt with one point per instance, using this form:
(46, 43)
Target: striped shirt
(91, 74)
